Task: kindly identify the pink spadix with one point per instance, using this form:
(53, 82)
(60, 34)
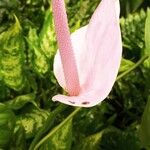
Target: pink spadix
(87, 62)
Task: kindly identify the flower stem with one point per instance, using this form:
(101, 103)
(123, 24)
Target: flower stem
(132, 68)
(57, 128)
(65, 47)
(47, 125)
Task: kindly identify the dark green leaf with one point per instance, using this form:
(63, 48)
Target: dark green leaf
(20, 101)
(90, 143)
(145, 126)
(7, 124)
(114, 139)
(18, 140)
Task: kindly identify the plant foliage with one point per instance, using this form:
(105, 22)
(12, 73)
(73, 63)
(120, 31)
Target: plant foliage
(28, 117)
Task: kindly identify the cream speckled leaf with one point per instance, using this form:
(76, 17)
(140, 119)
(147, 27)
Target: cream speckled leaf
(47, 35)
(32, 119)
(12, 57)
(38, 59)
(61, 139)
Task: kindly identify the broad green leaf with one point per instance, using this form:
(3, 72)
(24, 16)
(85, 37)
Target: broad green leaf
(109, 138)
(5, 136)
(31, 81)
(115, 139)
(20, 101)
(61, 139)
(129, 6)
(32, 119)
(37, 58)
(7, 124)
(47, 35)
(90, 143)
(135, 4)
(147, 39)
(3, 92)
(18, 140)
(12, 57)
(145, 126)
(126, 65)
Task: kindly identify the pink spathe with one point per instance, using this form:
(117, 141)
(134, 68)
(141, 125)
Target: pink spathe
(88, 61)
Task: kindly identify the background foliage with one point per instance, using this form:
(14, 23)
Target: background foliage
(28, 117)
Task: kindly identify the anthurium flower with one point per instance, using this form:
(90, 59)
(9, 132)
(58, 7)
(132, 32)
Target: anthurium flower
(87, 62)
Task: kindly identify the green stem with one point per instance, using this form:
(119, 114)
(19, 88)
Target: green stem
(57, 128)
(48, 124)
(127, 46)
(132, 68)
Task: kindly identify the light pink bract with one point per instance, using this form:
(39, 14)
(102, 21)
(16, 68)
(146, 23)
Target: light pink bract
(87, 62)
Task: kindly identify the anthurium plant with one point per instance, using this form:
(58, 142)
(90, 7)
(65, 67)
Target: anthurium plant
(74, 75)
